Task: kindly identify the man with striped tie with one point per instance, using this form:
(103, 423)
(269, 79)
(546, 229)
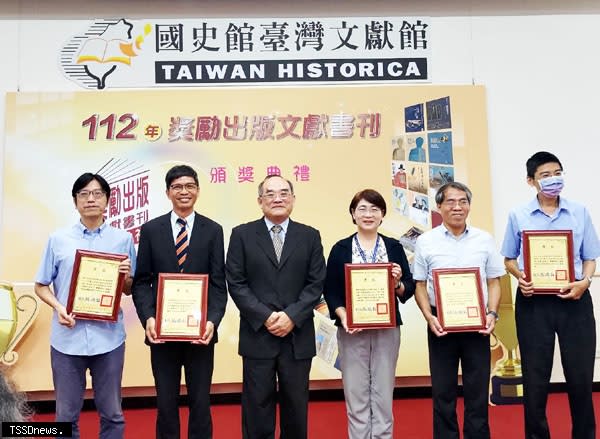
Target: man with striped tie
(181, 241)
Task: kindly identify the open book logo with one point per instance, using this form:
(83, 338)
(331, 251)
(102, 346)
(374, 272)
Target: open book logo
(91, 57)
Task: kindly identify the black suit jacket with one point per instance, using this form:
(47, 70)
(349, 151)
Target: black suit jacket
(259, 285)
(156, 254)
(335, 283)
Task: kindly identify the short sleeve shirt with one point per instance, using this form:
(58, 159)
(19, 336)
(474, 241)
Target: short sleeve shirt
(568, 216)
(439, 248)
(87, 337)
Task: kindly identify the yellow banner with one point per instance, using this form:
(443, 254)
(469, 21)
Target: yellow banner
(404, 141)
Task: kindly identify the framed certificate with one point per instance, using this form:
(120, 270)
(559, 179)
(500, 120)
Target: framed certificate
(459, 299)
(96, 286)
(181, 306)
(548, 259)
(370, 298)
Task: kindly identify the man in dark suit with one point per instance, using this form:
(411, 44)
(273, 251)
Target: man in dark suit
(187, 242)
(275, 273)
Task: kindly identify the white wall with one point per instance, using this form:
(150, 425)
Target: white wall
(540, 70)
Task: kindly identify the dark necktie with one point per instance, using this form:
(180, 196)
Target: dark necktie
(277, 240)
(181, 243)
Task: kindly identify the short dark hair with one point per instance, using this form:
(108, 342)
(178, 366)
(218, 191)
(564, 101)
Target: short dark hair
(85, 179)
(178, 171)
(262, 184)
(370, 195)
(440, 195)
(538, 159)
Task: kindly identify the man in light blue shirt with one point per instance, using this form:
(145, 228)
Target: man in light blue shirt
(569, 314)
(454, 244)
(76, 344)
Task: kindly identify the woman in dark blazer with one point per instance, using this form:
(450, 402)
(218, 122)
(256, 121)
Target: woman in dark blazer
(368, 357)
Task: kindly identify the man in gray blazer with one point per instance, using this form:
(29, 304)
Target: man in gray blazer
(275, 272)
(181, 241)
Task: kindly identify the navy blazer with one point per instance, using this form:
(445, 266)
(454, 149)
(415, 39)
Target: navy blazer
(156, 254)
(335, 283)
(259, 285)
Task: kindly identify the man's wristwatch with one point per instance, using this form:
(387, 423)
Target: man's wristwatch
(494, 313)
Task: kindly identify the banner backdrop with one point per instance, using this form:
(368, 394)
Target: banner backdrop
(404, 141)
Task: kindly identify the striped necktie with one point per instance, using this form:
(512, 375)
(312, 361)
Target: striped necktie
(181, 243)
(277, 240)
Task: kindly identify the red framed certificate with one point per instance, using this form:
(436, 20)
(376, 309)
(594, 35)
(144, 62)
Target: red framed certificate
(459, 299)
(370, 298)
(548, 259)
(181, 305)
(96, 286)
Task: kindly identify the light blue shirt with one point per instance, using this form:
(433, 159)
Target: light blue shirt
(284, 227)
(568, 216)
(177, 227)
(87, 337)
(438, 248)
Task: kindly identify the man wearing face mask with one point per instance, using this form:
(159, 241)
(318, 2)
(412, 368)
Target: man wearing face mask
(569, 314)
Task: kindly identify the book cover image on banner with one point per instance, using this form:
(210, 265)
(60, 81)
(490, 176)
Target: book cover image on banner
(329, 141)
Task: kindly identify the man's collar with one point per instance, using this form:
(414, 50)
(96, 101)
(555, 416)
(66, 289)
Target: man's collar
(534, 205)
(449, 233)
(270, 224)
(84, 230)
(174, 216)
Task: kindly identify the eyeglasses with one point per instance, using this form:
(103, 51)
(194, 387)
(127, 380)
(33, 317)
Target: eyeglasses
(84, 195)
(284, 195)
(190, 187)
(363, 210)
(463, 202)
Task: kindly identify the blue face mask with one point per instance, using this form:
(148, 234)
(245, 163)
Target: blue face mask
(551, 186)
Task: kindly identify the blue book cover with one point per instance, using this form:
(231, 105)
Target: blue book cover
(416, 152)
(438, 114)
(414, 119)
(440, 147)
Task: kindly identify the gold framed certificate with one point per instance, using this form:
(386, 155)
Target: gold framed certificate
(96, 286)
(181, 306)
(370, 298)
(548, 259)
(459, 299)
